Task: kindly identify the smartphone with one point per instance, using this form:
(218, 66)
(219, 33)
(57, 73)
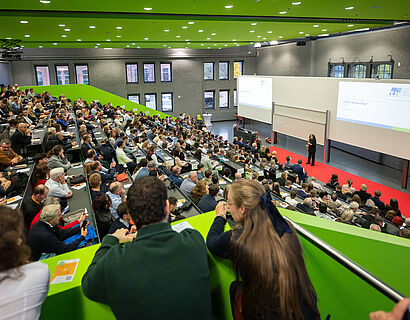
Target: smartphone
(66, 209)
(84, 225)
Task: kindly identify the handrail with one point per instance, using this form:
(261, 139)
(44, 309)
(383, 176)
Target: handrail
(365, 275)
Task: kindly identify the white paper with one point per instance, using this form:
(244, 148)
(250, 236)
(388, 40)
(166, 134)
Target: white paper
(77, 165)
(181, 226)
(80, 186)
(14, 199)
(12, 206)
(180, 202)
(23, 170)
(35, 140)
(126, 186)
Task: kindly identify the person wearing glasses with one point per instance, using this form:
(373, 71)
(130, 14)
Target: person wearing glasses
(8, 157)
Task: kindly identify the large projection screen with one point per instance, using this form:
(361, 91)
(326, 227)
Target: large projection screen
(255, 98)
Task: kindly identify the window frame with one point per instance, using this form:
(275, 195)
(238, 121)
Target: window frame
(35, 74)
(213, 71)
(126, 72)
(214, 104)
(353, 64)
(56, 74)
(219, 99)
(332, 65)
(143, 69)
(160, 71)
(75, 71)
(242, 68)
(235, 93)
(134, 94)
(378, 63)
(145, 101)
(172, 102)
(219, 69)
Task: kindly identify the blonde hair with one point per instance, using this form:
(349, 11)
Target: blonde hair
(348, 215)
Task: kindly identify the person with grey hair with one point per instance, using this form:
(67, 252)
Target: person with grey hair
(46, 237)
(354, 206)
(375, 227)
(117, 196)
(189, 183)
(57, 185)
(306, 206)
(363, 194)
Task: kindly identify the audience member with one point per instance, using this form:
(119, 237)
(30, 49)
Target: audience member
(174, 177)
(306, 206)
(189, 183)
(57, 159)
(117, 196)
(199, 191)
(291, 199)
(363, 194)
(57, 185)
(31, 206)
(8, 157)
(347, 188)
(208, 201)
(300, 171)
(377, 202)
(101, 207)
(123, 220)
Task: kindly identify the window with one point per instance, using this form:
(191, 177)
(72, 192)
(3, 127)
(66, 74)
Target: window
(208, 71)
(382, 70)
(166, 72)
(235, 98)
(81, 74)
(224, 70)
(336, 70)
(134, 98)
(357, 71)
(151, 100)
(63, 75)
(237, 69)
(132, 72)
(223, 99)
(149, 72)
(166, 102)
(42, 76)
(209, 99)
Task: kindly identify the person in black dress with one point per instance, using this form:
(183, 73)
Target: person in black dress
(311, 147)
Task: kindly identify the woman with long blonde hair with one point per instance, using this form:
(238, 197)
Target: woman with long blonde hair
(266, 254)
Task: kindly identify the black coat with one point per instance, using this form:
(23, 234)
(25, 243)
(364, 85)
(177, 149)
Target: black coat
(19, 140)
(42, 238)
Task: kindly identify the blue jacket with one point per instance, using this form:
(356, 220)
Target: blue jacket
(176, 180)
(302, 175)
(207, 203)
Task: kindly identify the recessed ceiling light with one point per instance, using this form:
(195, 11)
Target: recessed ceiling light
(307, 34)
(259, 36)
(188, 43)
(92, 27)
(78, 39)
(253, 24)
(214, 44)
(146, 38)
(264, 38)
(202, 44)
(184, 27)
(191, 22)
(252, 31)
(40, 46)
(118, 36)
(169, 47)
(55, 43)
(67, 29)
(108, 40)
(225, 45)
(200, 30)
(23, 21)
(133, 43)
(229, 6)
(274, 42)
(208, 38)
(364, 29)
(315, 25)
(27, 35)
(138, 47)
(166, 30)
(148, 9)
(350, 25)
(61, 25)
(97, 44)
(118, 28)
(107, 48)
(237, 45)
(63, 36)
(186, 39)
(178, 36)
(164, 45)
(269, 31)
(233, 39)
(324, 30)
(8, 38)
(45, 1)
(96, 47)
(209, 47)
(21, 46)
(283, 12)
(349, 8)
(219, 48)
(296, 3)
(213, 34)
(280, 37)
(301, 32)
(323, 35)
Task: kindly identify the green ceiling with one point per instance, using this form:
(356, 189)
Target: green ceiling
(221, 27)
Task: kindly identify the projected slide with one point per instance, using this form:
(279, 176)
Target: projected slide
(384, 105)
(255, 98)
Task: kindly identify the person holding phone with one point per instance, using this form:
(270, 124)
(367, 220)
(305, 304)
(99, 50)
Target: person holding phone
(401, 311)
(311, 148)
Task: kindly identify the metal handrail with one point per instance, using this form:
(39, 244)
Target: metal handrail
(365, 275)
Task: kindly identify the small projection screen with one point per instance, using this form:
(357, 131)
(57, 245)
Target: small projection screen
(255, 98)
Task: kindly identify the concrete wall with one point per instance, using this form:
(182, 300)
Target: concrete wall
(4, 73)
(107, 72)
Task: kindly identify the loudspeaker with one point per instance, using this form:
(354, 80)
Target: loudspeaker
(300, 43)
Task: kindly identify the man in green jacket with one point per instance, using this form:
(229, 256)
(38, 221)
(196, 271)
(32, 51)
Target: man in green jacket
(156, 274)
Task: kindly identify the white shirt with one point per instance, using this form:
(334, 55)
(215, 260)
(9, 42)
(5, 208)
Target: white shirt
(21, 298)
(292, 202)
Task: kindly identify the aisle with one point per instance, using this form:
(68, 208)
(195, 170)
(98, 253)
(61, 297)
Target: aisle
(323, 172)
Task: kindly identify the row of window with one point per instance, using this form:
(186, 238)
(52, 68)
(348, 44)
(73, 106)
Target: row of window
(380, 70)
(167, 104)
(62, 74)
(223, 70)
(149, 72)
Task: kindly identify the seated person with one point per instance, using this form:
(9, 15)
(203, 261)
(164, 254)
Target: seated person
(123, 158)
(123, 220)
(189, 183)
(288, 164)
(347, 188)
(101, 207)
(332, 203)
(200, 171)
(206, 160)
(46, 237)
(94, 182)
(21, 138)
(306, 206)
(157, 247)
(276, 190)
(340, 193)
(117, 196)
(8, 157)
(377, 202)
(334, 181)
(288, 185)
(208, 177)
(208, 201)
(322, 211)
(106, 177)
(291, 199)
(363, 194)
(141, 170)
(174, 177)
(303, 192)
(22, 282)
(300, 171)
(199, 191)
(57, 158)
(315, 184)
(282, 179)
(31, 206)
(57, 185)
(40, 174)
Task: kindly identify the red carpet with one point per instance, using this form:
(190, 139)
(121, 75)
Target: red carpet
(323, 173)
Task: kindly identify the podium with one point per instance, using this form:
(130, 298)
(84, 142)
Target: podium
(207, 119)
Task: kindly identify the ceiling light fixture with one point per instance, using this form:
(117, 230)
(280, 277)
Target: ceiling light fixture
(259, 36)
(208, 38)
(166, 30)
(269, 31)
(67, 29)
(229, 6)
(213, 34)
(200, 30)
(184, 27)
(186, 39)
(108, 40)
(118, 36)
(307, 34)
(138, 47)
(188, 43)
(233, 39)
(27, 35)
(364, 29)
(252, 31)
(315, 25)
(257, 45)
(92, 27)
(118, 28)
(324, 30)
(40, 46)
(23, 21)
(280, 37)
(350, 25)
(296, 3)
(253, 24)
(8, 38)
(79, 40)
(274, 42)
(147, 9)
(63, 36)
(178, 36)
(323, 35)
(283, 12)
(61, 25)
(55, 43)
(107, 48)
(133, 43)
(146, 38)
(127, 45)
(45, 1)
(349, 8)
(191, 22)
(97, 44)
(301, 32)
